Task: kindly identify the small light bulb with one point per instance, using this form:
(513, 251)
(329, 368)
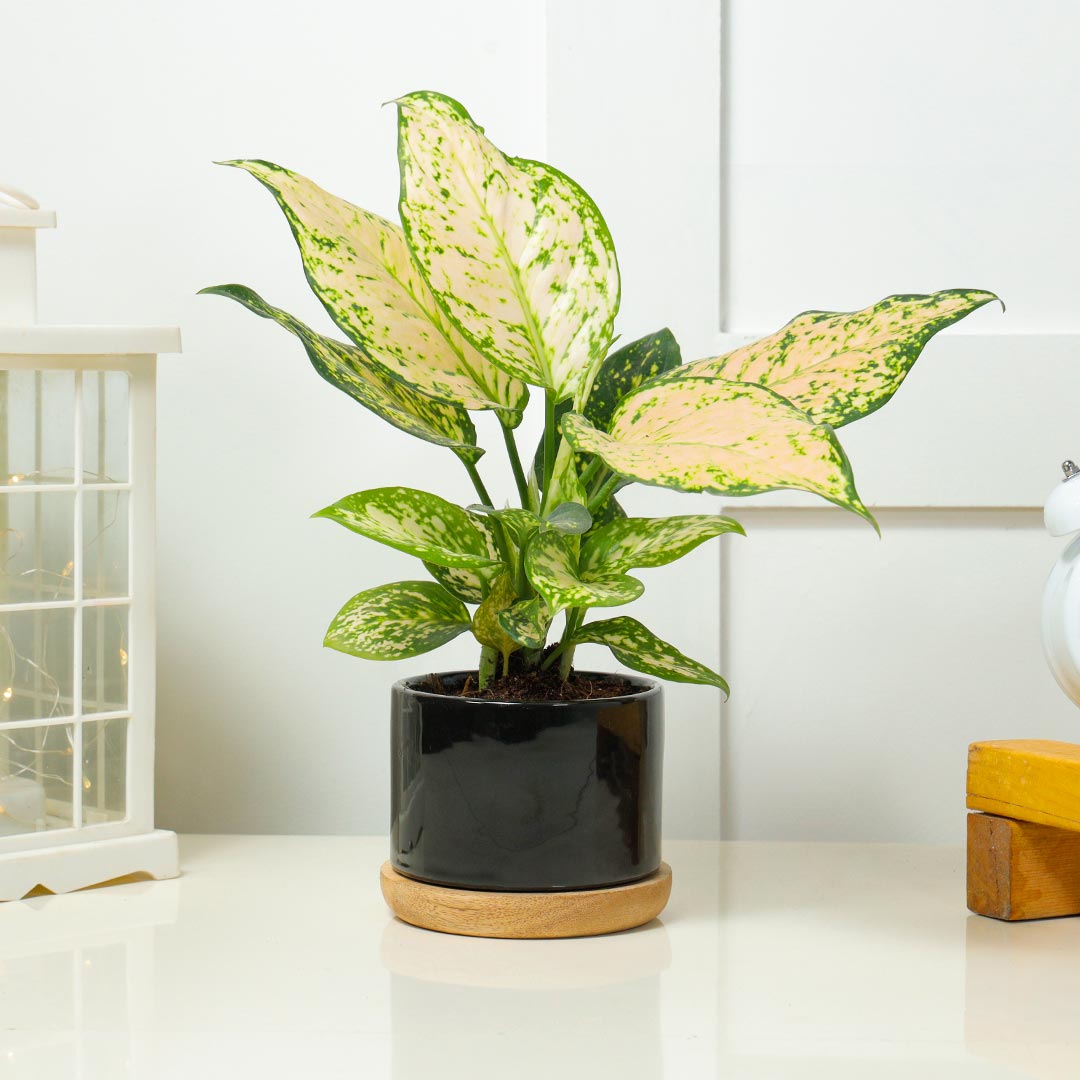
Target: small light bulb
(7, 693)
(68, 570)
(86, 783)
(14, 478)
(123, 657)
(3, 810)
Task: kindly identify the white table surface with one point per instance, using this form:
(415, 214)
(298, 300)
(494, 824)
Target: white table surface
(275, 957)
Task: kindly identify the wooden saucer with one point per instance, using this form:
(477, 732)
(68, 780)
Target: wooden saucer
(481, 913)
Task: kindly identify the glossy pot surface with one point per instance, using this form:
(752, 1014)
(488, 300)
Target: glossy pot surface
(530, 796)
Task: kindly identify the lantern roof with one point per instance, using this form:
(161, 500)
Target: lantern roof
(20, 332)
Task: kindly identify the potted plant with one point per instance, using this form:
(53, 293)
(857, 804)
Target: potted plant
(502, 281)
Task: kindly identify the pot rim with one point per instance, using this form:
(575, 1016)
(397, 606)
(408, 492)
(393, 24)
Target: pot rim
(647, 688)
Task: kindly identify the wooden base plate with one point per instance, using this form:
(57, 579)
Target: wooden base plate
(481, 913)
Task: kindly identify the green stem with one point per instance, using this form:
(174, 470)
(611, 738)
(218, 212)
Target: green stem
(496, 525)
(549, 438)
(606, 491)
(590, 471)
(474, 476)
(515, 464)
(489, 660)
(574, 618)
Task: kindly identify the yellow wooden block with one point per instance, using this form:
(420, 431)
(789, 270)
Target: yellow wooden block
(1028, 779)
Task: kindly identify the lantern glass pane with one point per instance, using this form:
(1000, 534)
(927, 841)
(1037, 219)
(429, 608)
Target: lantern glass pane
(104, 778)
(37, 427)
(105, 543)
(37, 555)
(105, 427)
(36, 664)
(36, 778)
(105, 659)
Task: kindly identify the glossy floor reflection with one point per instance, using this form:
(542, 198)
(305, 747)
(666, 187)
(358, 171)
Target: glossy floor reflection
(275, 957)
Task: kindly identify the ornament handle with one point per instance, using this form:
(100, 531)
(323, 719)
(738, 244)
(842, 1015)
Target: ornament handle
(18, 200)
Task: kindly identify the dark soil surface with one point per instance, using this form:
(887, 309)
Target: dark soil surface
(532, 685)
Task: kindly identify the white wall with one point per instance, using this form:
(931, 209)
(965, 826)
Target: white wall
(113, 113)
(872, 149)
(863, 150)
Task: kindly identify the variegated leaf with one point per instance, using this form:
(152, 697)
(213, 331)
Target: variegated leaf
(630, 542)
(393, 622)
(354, 373)
(485, 625)
(610, 511)
(639, 648)
(703, 434)
(469, 586)
(527, 622)
(515, 251)
(841, 366)
(359, 266)
(550, 563)
(519, 523)
(417, 523)
(565, 483)
(624, 370)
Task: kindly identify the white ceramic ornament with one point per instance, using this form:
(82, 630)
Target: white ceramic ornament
(1061, 597)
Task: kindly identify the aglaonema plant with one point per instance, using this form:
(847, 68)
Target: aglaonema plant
(502, 276)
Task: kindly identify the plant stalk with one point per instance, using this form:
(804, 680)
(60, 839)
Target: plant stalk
(549, 438)
(515, 464)
(590, 471)
(606, 491)
(478, 484)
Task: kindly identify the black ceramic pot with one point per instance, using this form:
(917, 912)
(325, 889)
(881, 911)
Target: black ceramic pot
(526, 796)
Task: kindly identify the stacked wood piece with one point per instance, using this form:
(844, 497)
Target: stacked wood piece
(1024, 842)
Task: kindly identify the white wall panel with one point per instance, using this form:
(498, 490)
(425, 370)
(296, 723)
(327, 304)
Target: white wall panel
(877, 148)
(871, 150)
(862, 668)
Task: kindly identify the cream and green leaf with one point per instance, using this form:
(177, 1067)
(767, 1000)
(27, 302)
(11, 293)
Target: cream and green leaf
(551, 564)
(486, 627)
(641, 542)
(502, 273)
(515, 251)
(639, 648)
(842, 366)
(352, 371)
(418, 523)
(730, 438)
(394, 622)
(527, 622)
(360, 267)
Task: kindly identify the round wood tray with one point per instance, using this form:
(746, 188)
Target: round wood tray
(482, 913)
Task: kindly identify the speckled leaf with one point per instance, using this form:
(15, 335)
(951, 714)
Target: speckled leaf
(639, 648)
(359, 266)
(417, 523)
(486, 626)
(550, 562)
(353, 372)
(518, 523)
(469, 586)
(841, 366)
(516, 252)
(565, 483)
(630, 542)
(611, 511)
(624, 370)
(396, 621)
(527, 622)
(702, 434)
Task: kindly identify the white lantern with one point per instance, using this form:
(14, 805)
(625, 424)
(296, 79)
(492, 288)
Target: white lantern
(77, 418)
